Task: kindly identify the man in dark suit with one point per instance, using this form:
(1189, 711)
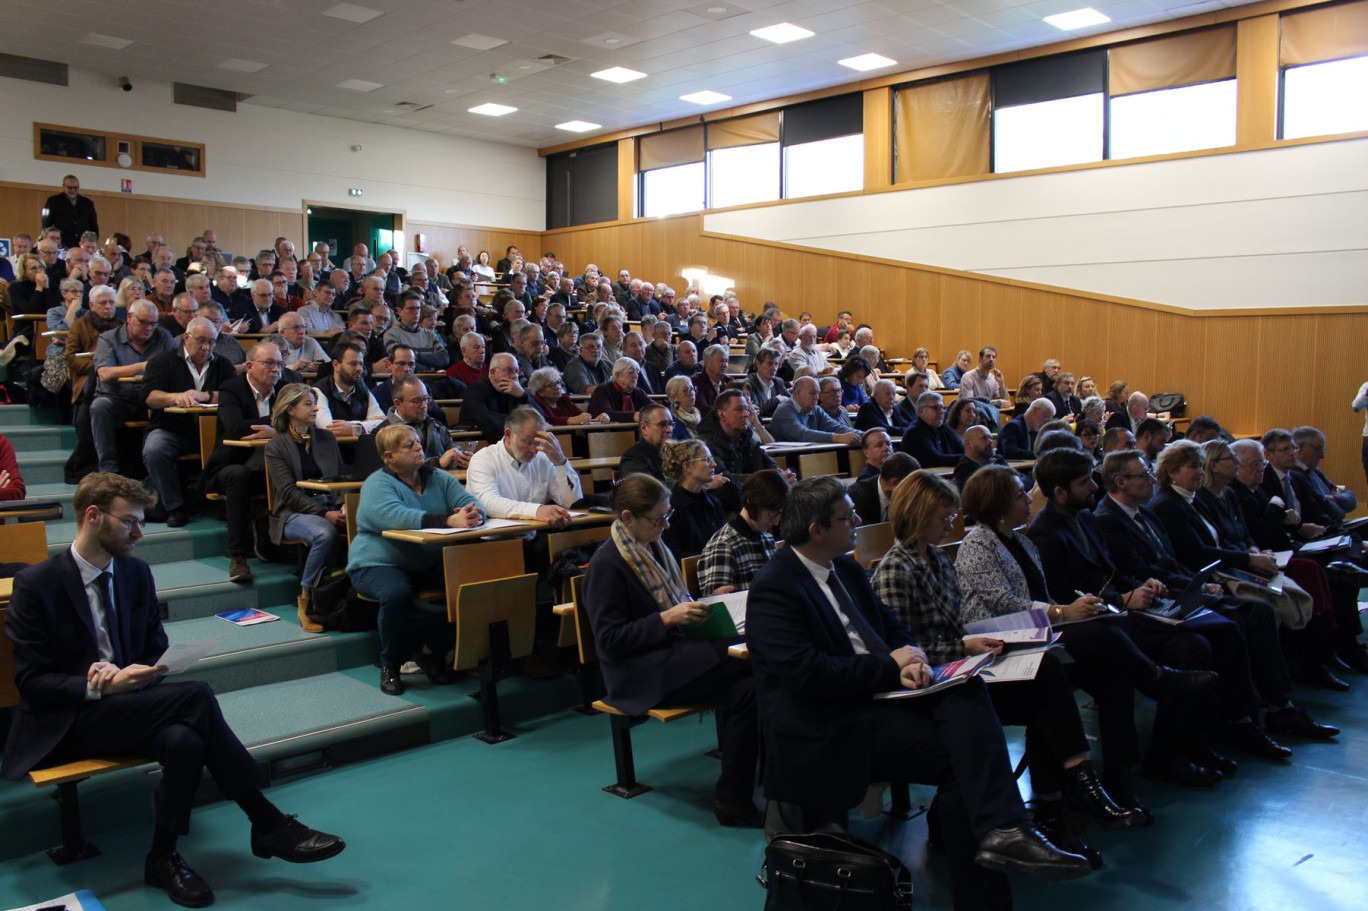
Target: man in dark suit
(821, 645)
(262, 312)
(1018, 436)
(185, 376)
(643, 456)
(1323, 498)
(1067, 405)
(978, 452)
(1243, 635)
(87, 636)
(872, 496)
(244, 413)
(927, 439)
(489, 402)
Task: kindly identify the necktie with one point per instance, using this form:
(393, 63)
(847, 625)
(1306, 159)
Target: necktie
(109, 606)
(1288, 495)
(1085, 543)
(872, 640)
(1145, 530)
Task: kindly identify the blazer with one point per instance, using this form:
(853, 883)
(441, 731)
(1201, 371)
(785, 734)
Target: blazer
(1264, 520)
(1193, 543)
(1016, 440)
(932, 447)
(812, 690)
(1074, 555)
(284, 467)
(871, 417)
(1120, 419)
(53, 633)
(991, 580)
(1136, 555)
(487, 408)
(237, 412)
(1224, 512)
(865, 496)
(642, 661)
(1313, 507)
(767, 402)
(1072, 405)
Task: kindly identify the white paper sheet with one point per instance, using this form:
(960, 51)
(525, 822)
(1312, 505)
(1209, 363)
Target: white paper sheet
(735, 602)
(182, 655)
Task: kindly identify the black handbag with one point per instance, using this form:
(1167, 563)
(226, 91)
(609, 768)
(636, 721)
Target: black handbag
(1172, 402)
(823, 872)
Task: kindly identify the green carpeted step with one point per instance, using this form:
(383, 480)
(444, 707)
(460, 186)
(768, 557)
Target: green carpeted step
(15, 416)
(203, 537)
(52, 436)
(193, 589)
(52, 490)
(42, 466)
(254, 655)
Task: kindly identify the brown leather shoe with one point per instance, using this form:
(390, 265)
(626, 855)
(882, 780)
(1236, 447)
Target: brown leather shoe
(238, 571)
(306, 622)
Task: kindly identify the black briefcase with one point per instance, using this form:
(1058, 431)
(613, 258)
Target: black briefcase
(822, 872)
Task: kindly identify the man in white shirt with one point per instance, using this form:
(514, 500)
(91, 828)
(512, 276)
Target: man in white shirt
(318, 315)
(808, 353)
(525, 475)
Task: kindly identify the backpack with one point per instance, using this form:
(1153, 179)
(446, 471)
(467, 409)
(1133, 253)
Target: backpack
(825, 872)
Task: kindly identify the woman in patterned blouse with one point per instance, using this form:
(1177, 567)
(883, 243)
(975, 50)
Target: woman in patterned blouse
(917, 581)
(736, 552)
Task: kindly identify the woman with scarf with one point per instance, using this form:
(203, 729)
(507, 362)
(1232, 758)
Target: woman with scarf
(683, 399)
(302, 452)
(638, 607)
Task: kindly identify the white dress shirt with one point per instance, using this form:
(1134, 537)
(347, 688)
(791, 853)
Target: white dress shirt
(510, 489)
(820, 574)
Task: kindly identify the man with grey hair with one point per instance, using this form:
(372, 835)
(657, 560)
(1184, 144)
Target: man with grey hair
(488, 403)
(302, 354)
(525, 475)
(622, 398)
(1137, 409)
(928, 439)
(531, 350)
(1323, 502)
(1017, 438)
(712, 378)
(1048, 374)
(183, 308)
(185, 376)
(119, 353)
(801, 420)
(197, 286)
(413, 407)
(227, 347)
(262, 312)
(587, 370)
(660, 353)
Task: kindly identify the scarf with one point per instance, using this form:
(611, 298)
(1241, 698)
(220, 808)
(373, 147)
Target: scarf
(689, 419)
(304, 439)
(654, 566)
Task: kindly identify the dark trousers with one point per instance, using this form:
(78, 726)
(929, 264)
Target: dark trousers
(1178, 722)
(1054, 731)
(238, 484)
(1230, 658)
(180, 726)
(730, 686)
(1267, 665)
(395, 588)
(1365, 456)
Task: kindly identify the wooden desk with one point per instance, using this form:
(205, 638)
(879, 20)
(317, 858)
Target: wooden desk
(418, 536)
(581, 466)
(6, 590)
(246, 444)
(196, 409)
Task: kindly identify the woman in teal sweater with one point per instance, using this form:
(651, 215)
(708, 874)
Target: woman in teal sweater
(405, 494)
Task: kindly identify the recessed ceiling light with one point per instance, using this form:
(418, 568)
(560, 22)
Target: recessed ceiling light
(490, 109)
(783, 33)
(242, 66)
(350, 12)
(1079, 18)
(479, 42)
(360, 85)
(578, 126)
(866, 62)
(707, 96)
(612, 40)
(109, 41)
(715, 10)
(618, 74)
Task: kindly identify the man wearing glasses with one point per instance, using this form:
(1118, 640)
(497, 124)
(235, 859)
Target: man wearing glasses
(428, 347)
(119, 353)
(227, 347)
(262, 313)
(185, 376)
(927, 439)
(643, 456)
(411, 407)
(182, 312)
(70, 212)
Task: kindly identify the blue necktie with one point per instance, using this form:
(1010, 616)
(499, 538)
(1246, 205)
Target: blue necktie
(109, 603)
(872, 640)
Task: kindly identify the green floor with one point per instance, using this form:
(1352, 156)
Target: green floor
(523, 824)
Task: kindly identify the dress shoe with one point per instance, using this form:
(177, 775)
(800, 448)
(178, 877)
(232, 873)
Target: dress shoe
(238, 570)
(1174, 682)
(390, 684)
(155, 514)
(292, 841)
(1321, 677)
(1021, 847)
(1348, 572)
(743, 815)
(306, 620)
(1121, 791)
(1178, 770)
(1087, 794)
(178, 518)
(1292, 719)
(1354, 656)
(1052, 821)
(431, 665)
(1246, 736)
(171, 873)
(1209, 758)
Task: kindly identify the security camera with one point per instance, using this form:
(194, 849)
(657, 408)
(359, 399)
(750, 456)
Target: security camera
(125, 84)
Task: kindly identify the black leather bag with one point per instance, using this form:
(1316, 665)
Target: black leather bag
(823, 872)
(1172, 402)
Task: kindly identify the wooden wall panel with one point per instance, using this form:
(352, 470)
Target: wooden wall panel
(1282, 402)
(1231, 353)
(441, 240)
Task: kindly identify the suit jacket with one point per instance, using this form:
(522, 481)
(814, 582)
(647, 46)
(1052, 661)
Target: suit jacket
(1017, 441)
(487, 408)
(1120, 419)
(1311, 505)
(965, 468)
(932, 447)
(1224, 512)
(50, 624)
(284, 467)
(254, 323)
(871, 417)
(1072, 405)
(812, 690)
(865, 496)
(237, 412)
(1075, 556)
(1264, 520)
(1193, 543)
(766, 402)
(642, 661)
(1136, 554)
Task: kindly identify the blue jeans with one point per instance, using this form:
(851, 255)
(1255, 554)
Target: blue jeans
(161, 451)
(106, 414)
(395, 588)
(322, 537)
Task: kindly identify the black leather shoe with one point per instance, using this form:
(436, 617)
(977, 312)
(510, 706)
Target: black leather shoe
(156, 514)
(390, 683)
(1174, 682)
(1087, 794)
(171, 873)
(1052, 821)
(1206, 756)
(1125, 796)
(1321, 677)
(743, 815)
(432, 666)
(1178, 770)
(1292, 719)
(1246, 736)
(1348, 572)
(292, 841)
(1355, 657)
(179, 518)
(1021, 847)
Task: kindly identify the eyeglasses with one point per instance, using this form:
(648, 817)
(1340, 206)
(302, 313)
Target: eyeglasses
(949, 518)
(1143, 474)
(708, 459)
(662, 520)
(851, 518)
(418, 400)
(129, 523)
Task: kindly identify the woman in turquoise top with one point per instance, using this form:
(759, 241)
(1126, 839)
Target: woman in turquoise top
(405, 494)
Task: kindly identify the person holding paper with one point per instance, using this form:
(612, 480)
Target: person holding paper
(822, 645)
(408, 493)
(87, 637)
(920, 586)
(638, 607)
(745, 543)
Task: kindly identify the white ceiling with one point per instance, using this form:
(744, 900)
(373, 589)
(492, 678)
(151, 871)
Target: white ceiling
(407, 49)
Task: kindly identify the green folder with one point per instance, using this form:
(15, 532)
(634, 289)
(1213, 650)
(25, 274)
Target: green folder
(719, 625)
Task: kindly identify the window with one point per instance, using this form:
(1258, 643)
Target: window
(1048, 134)
(825, 166)
(117, 150)
(1324, 98)
(743, 174)
(1172, 120)
(671, 191)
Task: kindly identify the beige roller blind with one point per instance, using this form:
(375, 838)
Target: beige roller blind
(662, 150)
(942, 129)
(1165, 63)
(1325, 33)
(744, 131)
